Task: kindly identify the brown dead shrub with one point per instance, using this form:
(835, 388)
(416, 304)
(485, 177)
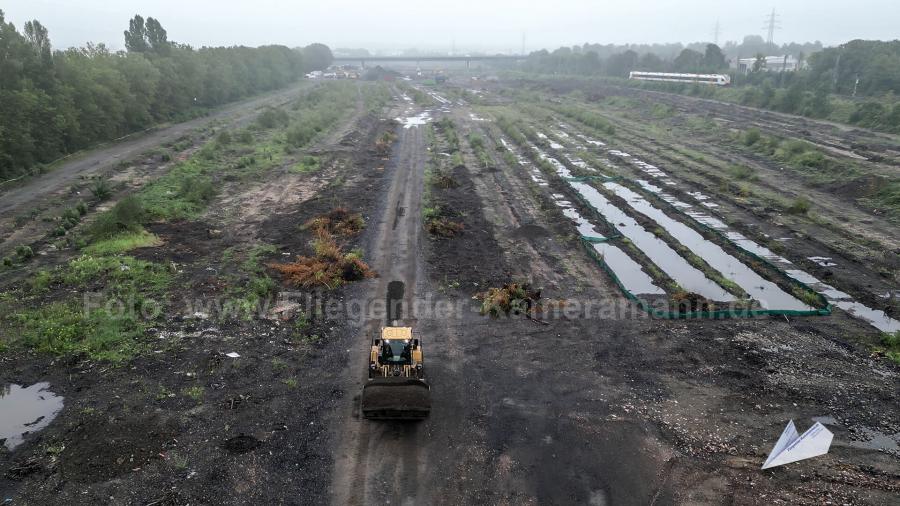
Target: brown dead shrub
(689, 301)
(339, 221)
(443, 227)
(330, 267)
(512, 298)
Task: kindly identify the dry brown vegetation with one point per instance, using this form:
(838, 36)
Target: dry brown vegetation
(383, 144)
(339, 221)
(330, 266)
(443, 227)
(512, 298)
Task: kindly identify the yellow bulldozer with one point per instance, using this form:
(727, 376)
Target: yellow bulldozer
(396, 388)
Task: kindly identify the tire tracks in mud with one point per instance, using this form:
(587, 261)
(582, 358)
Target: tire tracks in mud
(381, 460)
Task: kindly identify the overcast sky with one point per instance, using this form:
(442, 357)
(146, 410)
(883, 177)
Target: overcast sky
(495, 25)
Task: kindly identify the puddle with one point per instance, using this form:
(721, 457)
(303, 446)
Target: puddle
(874, 440)
(767, 293)
(26, 410)
(415, 121)
(686, 275)
(876, 317)
(823, 261)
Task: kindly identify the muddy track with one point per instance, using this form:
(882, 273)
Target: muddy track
(373, 454)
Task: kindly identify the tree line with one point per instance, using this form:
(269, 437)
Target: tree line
(860, 76)
(55, 102)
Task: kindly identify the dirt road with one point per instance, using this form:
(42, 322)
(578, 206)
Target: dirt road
(97, 160)
(368, 452)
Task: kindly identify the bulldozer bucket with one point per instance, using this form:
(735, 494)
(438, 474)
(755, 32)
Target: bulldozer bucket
(396, 399)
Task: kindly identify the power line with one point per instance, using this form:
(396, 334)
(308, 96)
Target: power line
(771, 24)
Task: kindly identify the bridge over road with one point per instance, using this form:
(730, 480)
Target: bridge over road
(375, 59)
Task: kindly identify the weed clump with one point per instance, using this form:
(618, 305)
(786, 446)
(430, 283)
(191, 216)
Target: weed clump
(891, 343)
(800, 206)
(330, 266)
(443, 227)
(339, 221)
(101, 190)
(512, 298)
(126, 216)
(686, 302)
(383, 144)
(272, 118)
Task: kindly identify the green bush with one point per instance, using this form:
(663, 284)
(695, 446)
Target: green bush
(244, 137)
(127, 215)
(800, 206)
(300, 134)
(196, 189)
(751, 137)
(743, 172)
(271, 118)
(869, 115)
(24, 252)
(81, 208)
(224, 138)
(101, 189)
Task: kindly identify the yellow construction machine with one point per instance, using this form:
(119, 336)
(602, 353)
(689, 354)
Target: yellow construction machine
(396, 388)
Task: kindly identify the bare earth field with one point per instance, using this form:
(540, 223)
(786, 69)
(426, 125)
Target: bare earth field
(591, 401)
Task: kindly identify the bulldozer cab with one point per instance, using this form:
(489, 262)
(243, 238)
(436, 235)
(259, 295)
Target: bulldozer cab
(396, 353)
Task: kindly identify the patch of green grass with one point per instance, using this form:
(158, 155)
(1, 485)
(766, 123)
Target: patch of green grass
(290, 382)
(808, 297)
(195, 392)
(62, 328)
(886, 200)
(164, 393)
(891, 346)
(122, 242)
(306, 165)
(40, 281)
(743, 172)
(126, 216)
(105, 323)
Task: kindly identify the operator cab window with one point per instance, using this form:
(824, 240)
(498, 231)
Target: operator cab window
(396, 352)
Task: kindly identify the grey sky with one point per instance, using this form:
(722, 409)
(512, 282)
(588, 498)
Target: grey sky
(472, 24)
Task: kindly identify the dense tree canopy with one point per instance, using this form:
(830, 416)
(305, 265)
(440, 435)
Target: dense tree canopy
(56, 102)
(317, 56)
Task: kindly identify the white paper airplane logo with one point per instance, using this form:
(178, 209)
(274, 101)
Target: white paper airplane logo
(792, 446)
